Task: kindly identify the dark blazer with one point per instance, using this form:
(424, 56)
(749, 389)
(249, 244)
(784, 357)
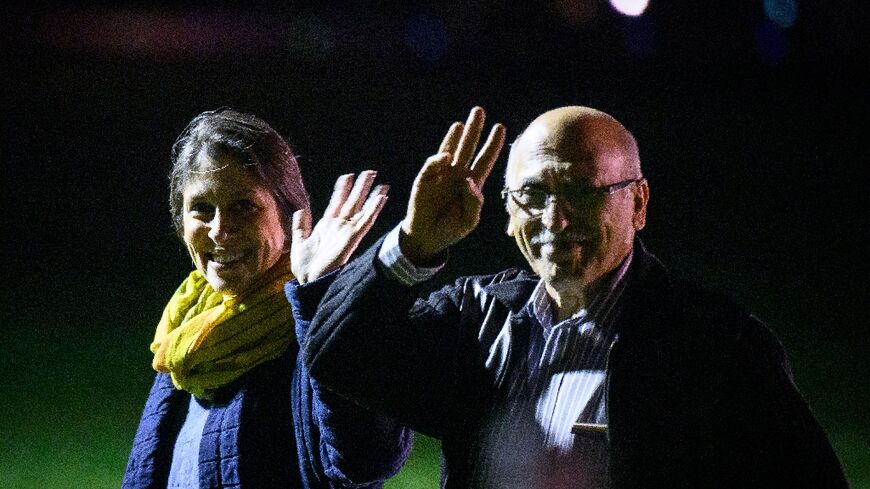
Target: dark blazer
(270, 430)
(699, 392)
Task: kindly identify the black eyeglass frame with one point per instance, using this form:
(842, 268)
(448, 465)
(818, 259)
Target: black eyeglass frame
(588, 191)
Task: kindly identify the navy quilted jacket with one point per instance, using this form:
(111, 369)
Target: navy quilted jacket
(270, 428)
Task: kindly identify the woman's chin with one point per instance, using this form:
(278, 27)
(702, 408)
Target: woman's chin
(226, 283)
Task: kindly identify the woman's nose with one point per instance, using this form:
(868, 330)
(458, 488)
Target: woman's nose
(223, 225)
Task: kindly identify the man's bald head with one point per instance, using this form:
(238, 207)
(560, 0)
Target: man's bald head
(578, 134)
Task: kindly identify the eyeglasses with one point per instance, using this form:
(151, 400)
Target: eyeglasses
(533, 200)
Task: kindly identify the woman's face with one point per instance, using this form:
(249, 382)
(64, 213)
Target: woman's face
(232, 227)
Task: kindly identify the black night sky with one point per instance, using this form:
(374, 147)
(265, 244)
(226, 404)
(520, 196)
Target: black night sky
(751, 135)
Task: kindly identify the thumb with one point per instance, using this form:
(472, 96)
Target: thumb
(301, 227)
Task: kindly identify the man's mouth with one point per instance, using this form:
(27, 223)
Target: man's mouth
(561, 246)
(570, 241)
(560, 241)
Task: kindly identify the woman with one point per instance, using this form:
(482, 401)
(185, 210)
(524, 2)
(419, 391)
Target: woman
(231, 406)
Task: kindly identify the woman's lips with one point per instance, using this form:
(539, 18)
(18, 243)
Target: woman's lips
(225, 259)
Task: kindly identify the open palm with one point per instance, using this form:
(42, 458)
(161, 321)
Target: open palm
(347, 219)
(446, 198)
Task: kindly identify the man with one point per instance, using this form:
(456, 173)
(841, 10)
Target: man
(599, 370)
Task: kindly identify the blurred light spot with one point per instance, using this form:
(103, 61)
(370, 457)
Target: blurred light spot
(578, 12)
(783, 13)
(427, 37)
(310, 36)
(630, 7)
(159, 34)
(640, 36)
(771, 42)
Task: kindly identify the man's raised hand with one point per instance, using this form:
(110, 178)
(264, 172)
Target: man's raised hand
(446, 198)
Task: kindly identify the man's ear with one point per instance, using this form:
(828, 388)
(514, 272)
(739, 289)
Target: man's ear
(641, 198)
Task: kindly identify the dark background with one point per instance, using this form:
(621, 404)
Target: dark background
(751, 136)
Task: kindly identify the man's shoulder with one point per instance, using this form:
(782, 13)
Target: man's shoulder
(656, 285)
(510, 286)
(709, 313)
(689, 304)
(511, 275)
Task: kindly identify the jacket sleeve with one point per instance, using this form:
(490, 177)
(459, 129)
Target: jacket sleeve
(373, 342)
(785, 444)
(341, 444)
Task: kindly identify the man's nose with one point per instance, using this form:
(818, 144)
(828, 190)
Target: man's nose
(555, 216)
(223, 225)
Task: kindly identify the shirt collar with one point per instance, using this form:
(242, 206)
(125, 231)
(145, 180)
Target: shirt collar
(541, 305)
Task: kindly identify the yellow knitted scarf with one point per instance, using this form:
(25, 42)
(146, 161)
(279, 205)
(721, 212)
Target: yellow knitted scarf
(206, 340)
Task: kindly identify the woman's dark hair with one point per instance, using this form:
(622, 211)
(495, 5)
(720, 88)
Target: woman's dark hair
(262, 151)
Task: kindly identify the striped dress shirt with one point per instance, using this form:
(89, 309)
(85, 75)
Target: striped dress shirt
(531, 443)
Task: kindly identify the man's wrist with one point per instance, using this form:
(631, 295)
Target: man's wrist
(415, 253)
(399, 266)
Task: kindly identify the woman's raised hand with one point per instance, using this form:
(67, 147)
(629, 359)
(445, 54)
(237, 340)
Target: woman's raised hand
(349, 216)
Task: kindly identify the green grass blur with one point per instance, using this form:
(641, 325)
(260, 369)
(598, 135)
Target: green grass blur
(75, 373)
(423, 469)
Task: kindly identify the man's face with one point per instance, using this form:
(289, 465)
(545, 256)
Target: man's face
(573, 242)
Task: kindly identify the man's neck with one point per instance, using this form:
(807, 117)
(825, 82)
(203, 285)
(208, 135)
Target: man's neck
(569, 297)
(567, 300)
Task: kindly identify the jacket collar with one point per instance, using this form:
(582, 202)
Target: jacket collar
(515, 292)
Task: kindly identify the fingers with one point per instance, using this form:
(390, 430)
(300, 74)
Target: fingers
(488, 155)
(474, 191)
(472, 202)
(301, 227)
(470, 137)
(375, 195)
(340, 192)
(357, 196)
(451, 139)
(373, 206)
